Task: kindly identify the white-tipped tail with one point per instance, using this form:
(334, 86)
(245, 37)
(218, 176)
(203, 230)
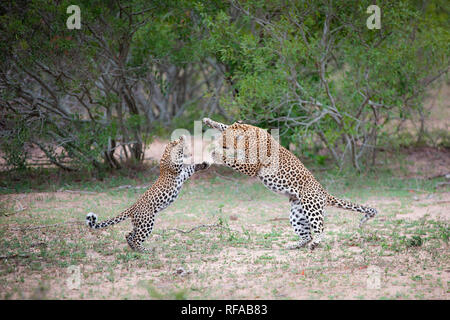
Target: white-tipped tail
(91, 219)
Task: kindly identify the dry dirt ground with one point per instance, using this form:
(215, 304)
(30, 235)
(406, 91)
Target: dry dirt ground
(237, 247)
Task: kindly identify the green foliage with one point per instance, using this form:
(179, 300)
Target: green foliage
(13, 146)
(274, 53)
(138, 68)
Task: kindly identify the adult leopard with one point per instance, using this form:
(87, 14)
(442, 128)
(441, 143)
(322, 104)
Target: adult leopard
(254, 152)
(173, 173)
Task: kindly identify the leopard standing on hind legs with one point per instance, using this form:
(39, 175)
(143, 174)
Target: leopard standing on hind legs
(254, 152)
(173, 173)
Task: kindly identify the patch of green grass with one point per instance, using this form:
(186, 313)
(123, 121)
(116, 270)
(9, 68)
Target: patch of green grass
(416, 278)
(171, 294)
(128, 256)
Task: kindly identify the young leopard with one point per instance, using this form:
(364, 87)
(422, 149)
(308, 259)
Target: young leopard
(254, 152)
(173, 173)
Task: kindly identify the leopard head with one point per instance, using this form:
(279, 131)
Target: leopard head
(173, 156)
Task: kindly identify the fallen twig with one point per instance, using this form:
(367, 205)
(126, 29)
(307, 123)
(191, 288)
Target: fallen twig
(216, 225)
(47, 226)
(440, 184)
(441, 202)
(79, 191)
(446, 175)
(16, 255)
(278, 219)
(129, 186)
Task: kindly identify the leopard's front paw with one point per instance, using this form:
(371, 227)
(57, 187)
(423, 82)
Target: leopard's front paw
(207, 121)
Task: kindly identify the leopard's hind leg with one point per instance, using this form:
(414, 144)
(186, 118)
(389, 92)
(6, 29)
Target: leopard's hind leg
(314, 209)
(317, 227)
(142, 230)
(141, 236)
(300, 223)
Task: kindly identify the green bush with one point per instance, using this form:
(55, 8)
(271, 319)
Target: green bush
(13, 146)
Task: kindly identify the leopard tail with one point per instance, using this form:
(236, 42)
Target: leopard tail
(91, 219)
(344, 204)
